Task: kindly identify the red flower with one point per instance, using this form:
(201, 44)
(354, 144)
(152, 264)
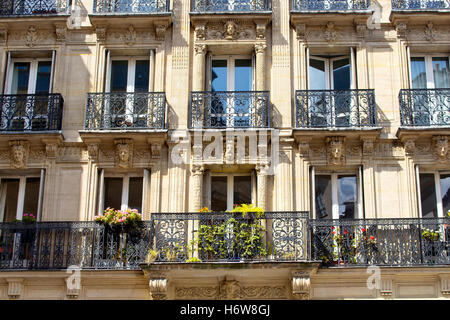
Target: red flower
(345, 231)
(363, 230)
(372, 238)
(333, 232)
(332, 228)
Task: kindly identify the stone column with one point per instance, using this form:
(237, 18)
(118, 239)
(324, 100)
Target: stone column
(197, 186)
(260, 50)
(199, 67)
(261, 176)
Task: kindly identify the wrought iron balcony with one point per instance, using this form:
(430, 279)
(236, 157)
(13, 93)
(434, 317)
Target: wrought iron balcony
(335, 108)
(384, 242)
(230, 109)
(26, 113)
(205, 6)
(424, 107)
(34, 7)
(125, 110)
(330, 5)
(421, 5)
(131, 6)
(224, 237)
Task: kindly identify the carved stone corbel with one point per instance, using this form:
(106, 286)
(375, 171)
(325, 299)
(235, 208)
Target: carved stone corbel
(440, 147)
(200, 49)
(300, 30)
(93, 147)
(230, 289)
(402, 28)
(160, 30)
(51, 149)
(230, 30)
(361, 28)
(304, 148)
(430, 32)
(101, 33)
(19, 151)
(3, 34)
(124, 153)
(158, 286)
(15, 288)
(130, 36)
(31, 37)
(200, 31)
(260, 29)
(368, 145)
(445, 286)
(61, 32)
(336, 150)
(410, 146)
(301, 285)
(330, 33)
(386, 288)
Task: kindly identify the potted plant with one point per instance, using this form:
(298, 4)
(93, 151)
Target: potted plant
(151, 256)
(430, 235)
(118, 221)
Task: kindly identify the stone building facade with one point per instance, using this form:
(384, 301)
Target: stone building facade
(343, 109)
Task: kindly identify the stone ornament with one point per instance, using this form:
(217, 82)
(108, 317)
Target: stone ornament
(160, 32)
(368, 147)
(124, 153)
(386, 288)
(260, 48)
(261, 31)
(158, 287)
(440, 144)
(301, 285)
(410, 147)
(200, 49)
(61, 33)
(402, 29)
(430, 32)
(200, 32)
(93, 149)
(336, 150)
(330, 33)
(230, 30)
(3, 34)
(15, 288)
(101, 33)
(197, 170)
(155, 148)
(300, 30)
(19, 153)
(51, 149)
(130, 36)
(31, 37)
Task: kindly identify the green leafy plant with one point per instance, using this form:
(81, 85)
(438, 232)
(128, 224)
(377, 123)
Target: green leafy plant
(128, 220)
(152, 256)
(193, 259)
(27, 218)
(172, 253)
(430, 235)
(248, 208)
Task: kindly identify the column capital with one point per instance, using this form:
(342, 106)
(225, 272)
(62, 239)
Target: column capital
(200, 49)
(260, 48)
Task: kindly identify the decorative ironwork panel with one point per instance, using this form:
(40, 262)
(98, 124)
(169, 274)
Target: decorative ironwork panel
(121, 111)
(131, 6)
(425, 107)
(330, 5)
(386, 242)
(33, 7)
(335, 108)
(37, 112)
(230, 5)
(230, 109)
(420, 4)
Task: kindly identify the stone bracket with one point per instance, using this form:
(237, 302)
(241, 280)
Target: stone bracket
(301, 285)
(15, 288)
(158, 286)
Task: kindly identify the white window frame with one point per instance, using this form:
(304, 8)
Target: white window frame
(21, 195)
(335, 194)
(437, 186)
(428, 58)
(125, 188)
(230, 187)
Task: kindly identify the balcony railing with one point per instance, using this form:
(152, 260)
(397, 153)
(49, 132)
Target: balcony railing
(25, 113)
(424, 107)
(205, 6)
(420, 4)
(330, 5)
(384, 242)
(335, 108)
(33, 7)
(124, 110)
(131, 6)
(228, 238)
(230, 109)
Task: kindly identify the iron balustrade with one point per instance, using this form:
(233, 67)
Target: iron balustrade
(383, 242)
(335, 108)
(205, 6)
(131, 6)
(226, 237)
(230, 109)
(125, 110)
(329, 5)
(420, 5)
(31, 112)
(424, 107)
(34, 7)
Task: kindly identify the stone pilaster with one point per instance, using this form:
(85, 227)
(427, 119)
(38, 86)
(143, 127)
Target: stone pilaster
(199, 67)
(262, 171)
(197, 186)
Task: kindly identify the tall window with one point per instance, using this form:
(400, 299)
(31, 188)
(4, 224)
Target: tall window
(28, 77)
(430, 72)
(434, 194)
(19, 195)
(336, 196)
(228, 190)
(121, 192)
(230, 74)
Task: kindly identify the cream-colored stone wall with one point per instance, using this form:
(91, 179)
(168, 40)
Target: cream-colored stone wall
(381, 60)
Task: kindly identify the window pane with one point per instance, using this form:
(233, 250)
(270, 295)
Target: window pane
(428, 195)
(20, 78)
(218, 193)
(243, 75)
(135, 194)
(142, 76)
(113, 193)
(317, 75)
(347, 197)
(242, 192)
(119, 76)
(43, 77)
(445, 192)
(219, 75)
(441, 72)
(10, 193)
(341, 74)
(418, 73)
(30, 204)
(323, 197)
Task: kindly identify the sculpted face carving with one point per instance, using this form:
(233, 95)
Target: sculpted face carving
(230, 30)
(124, 153)
(336, 150)
(441, 147)
(18, 154)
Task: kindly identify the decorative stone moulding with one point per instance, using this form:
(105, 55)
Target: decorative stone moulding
(124, 153)
(301, 285)
(336, 150)
(440, 148)
(19, 151)
(158, 286)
